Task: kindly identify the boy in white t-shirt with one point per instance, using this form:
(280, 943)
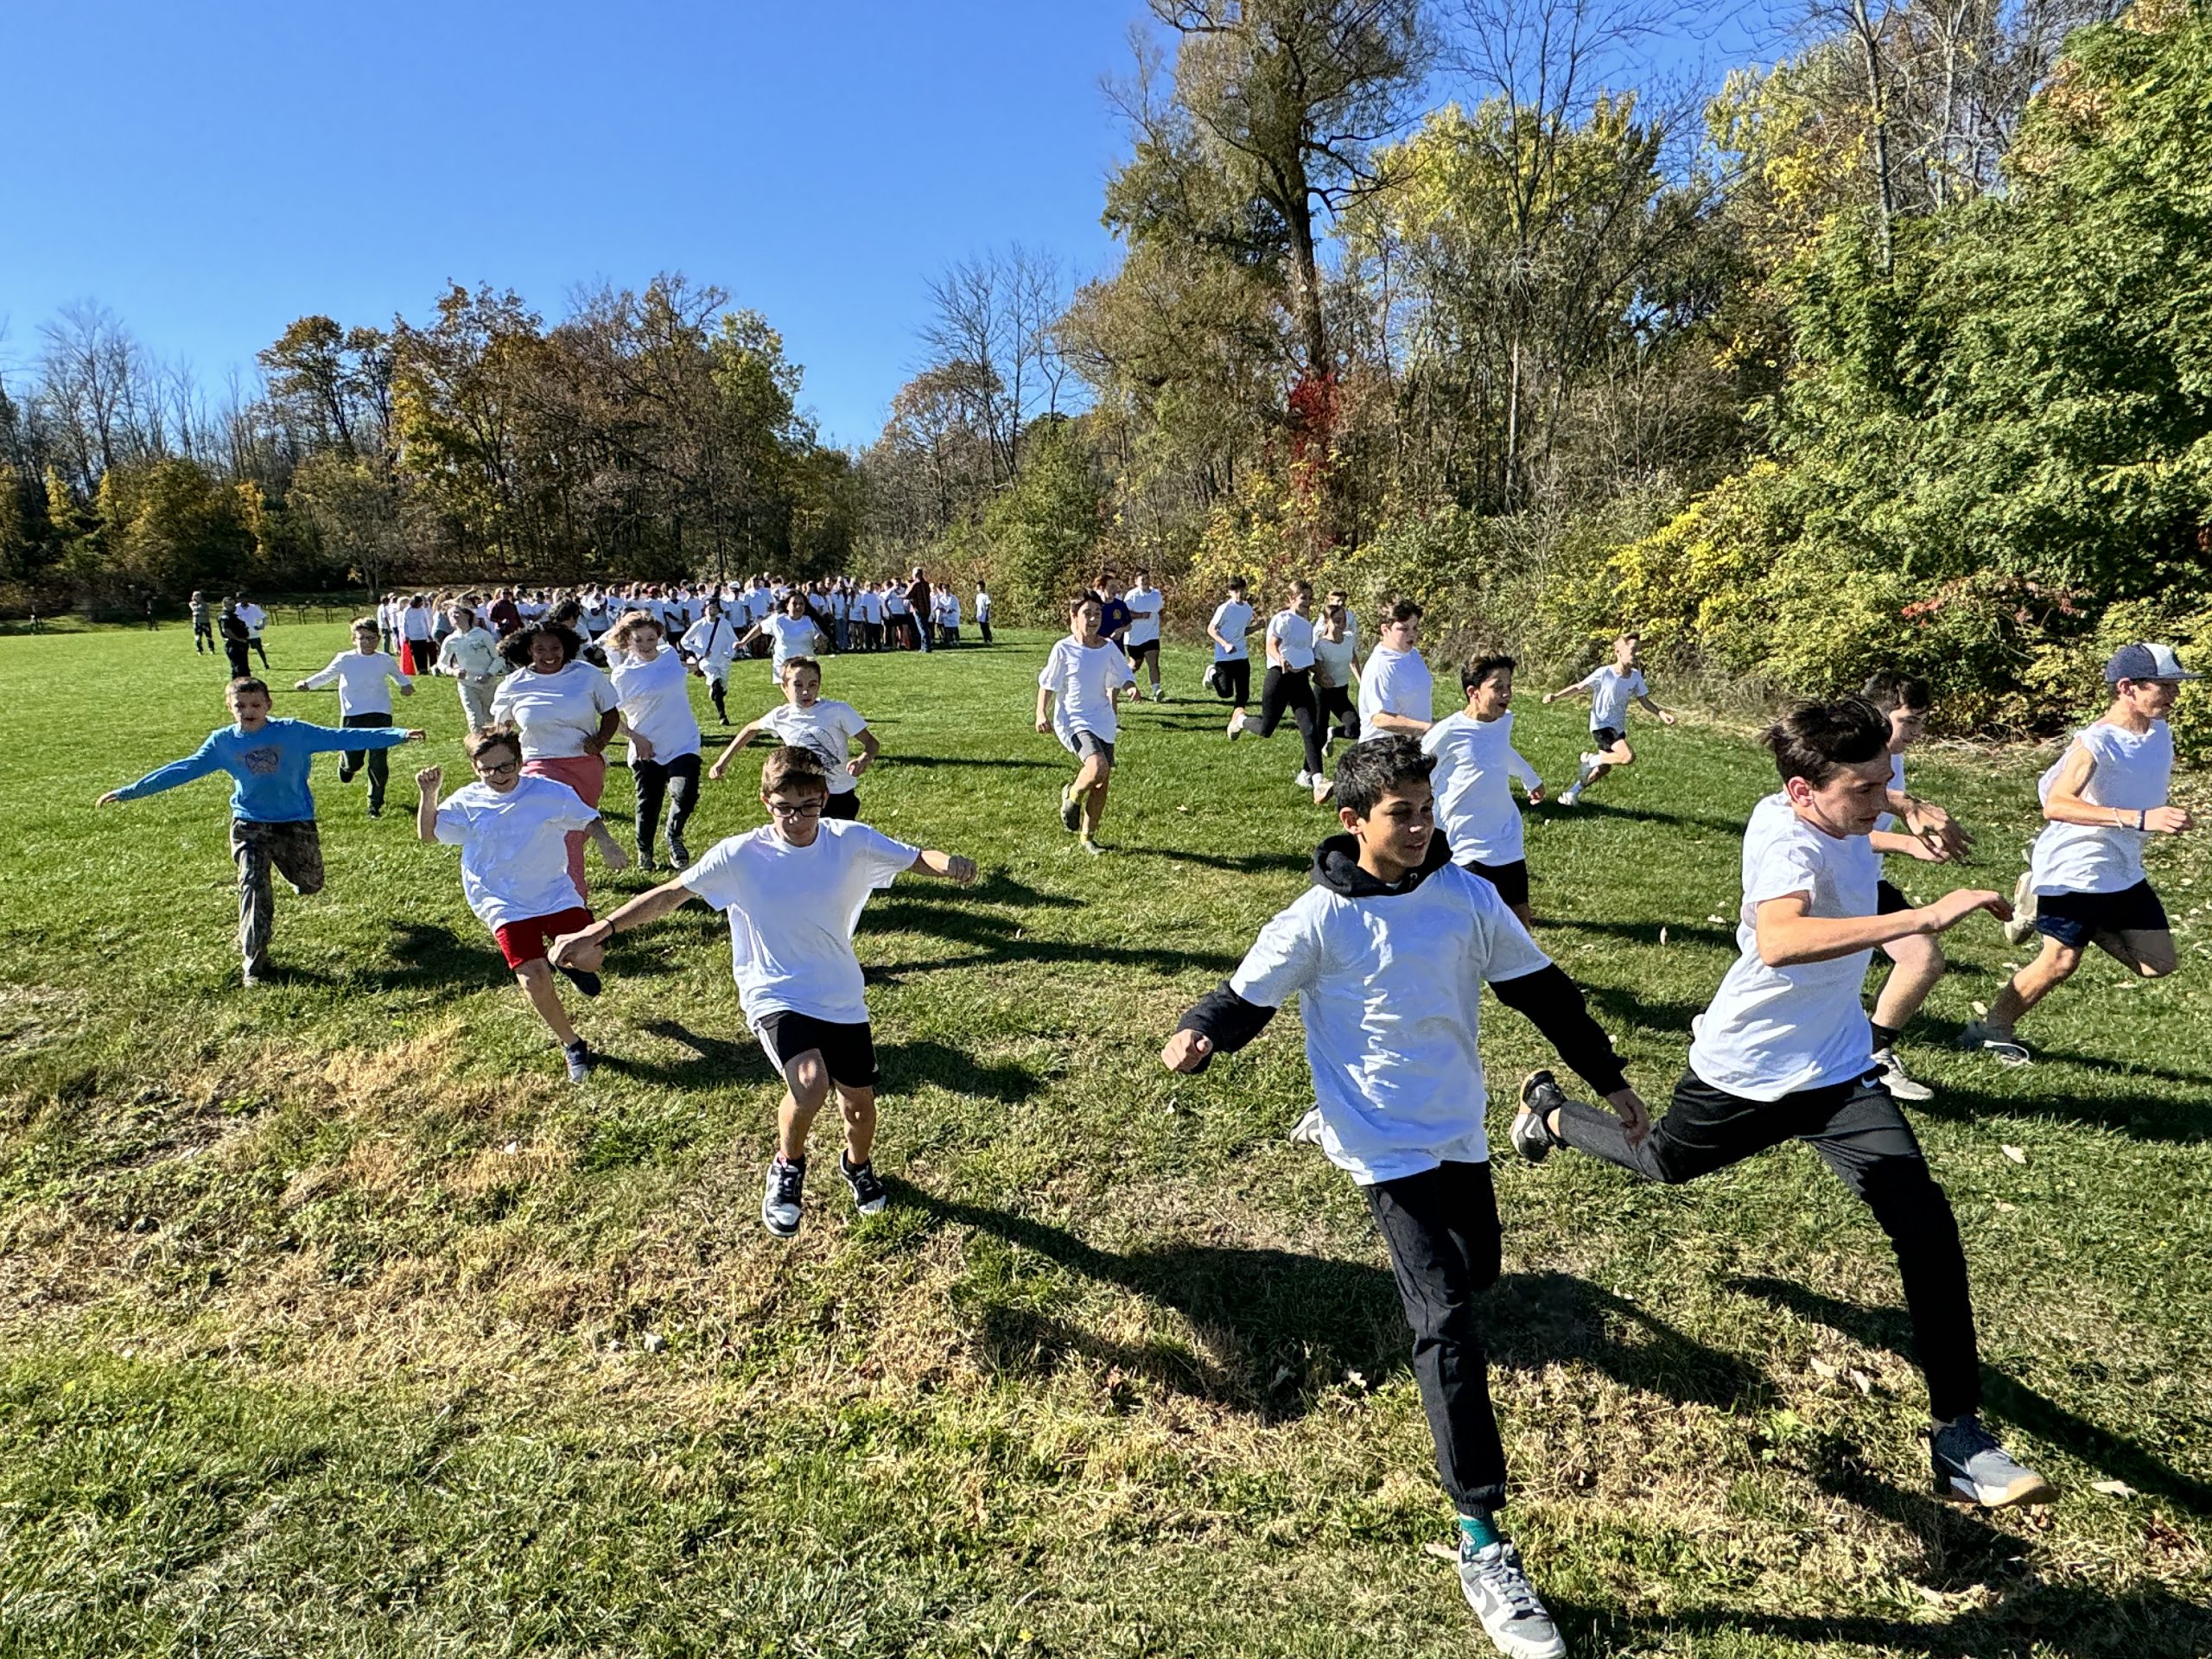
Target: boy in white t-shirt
(827, 727)
(793, 890)
(1230, 677)
(1146, 603)
(1476, 764)
(1784, 1052)
(983, 610)
(711, 644)
(1610, 689)
(512, 831)
(1387, 952)
(1075, 702)
(1288, 687)
(2085, 883)
(1396, 691)
(364, 677)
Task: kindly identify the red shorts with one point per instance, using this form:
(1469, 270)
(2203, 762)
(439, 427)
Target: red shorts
(525, 939)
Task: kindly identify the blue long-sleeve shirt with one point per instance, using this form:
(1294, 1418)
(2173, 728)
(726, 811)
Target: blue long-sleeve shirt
(269, 767)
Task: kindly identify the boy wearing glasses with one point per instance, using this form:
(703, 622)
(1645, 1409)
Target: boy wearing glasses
(512, 831)
(793, 890)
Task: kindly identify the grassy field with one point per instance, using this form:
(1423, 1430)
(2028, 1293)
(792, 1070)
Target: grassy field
(332, 1321)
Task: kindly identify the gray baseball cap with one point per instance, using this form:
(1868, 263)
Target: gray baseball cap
(2146, 662)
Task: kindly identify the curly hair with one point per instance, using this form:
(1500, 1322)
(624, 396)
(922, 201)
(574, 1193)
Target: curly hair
(514, 650)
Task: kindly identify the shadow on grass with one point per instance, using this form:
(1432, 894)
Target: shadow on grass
(936, 760)
(1647, 933)
(1598, 809)
(1000, 938)
(2114, 1454)
(1238, 863)
(719, 1062)
(1621, 1009)
(1280, 1327)
(2171, 1121)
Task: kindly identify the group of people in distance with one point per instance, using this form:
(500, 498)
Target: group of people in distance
(1418, 898)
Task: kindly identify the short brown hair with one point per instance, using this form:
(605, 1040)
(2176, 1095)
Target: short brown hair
(501, 732)
(1815, 741)
(627, 629)
(794, 663)
(369, 623)
(791, 767)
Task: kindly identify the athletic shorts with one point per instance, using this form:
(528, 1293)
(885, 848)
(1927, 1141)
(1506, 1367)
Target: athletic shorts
(1138, 654)
(848, 1052)
(2075, 918)
(1084, 744)
(842, 804)
(524, 940)
(1888, 901)
(1511, 881)
(1604, 737)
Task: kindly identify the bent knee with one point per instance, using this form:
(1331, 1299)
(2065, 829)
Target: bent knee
(2154, 964)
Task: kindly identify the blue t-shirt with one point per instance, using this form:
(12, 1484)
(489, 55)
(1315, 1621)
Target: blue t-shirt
(269, 767)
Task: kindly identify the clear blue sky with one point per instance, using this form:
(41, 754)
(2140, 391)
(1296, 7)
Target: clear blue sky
(211, 173)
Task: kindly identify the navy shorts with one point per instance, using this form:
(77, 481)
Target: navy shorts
(1888, 901)
(2075, 918)
(1604, 737)
(847, 1051)
(1511, 881)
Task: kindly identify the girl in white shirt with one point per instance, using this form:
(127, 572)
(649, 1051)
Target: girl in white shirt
(655, 689)
(1335, 671)
(1075, 702)
(1288, 688)
(471, 655)
(825, 727)
(566, 714)
(512, 829)
(792, 633)
(364, 677)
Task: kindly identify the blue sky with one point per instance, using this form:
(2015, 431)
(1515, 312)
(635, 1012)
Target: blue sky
(211, 173)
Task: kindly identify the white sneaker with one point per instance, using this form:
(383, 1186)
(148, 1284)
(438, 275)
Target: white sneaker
(1894, 1078)
(1514, 1619)
(1308, 1130)
(1982, 1038)
(1236, 726)
(1588, 770)
(1571, 794)
(1304, 778)
(2022, 927)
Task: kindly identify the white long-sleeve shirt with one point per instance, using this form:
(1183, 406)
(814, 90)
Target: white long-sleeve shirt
(364, 682)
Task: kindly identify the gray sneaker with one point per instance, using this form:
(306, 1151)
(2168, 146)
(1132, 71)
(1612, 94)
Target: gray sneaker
(1308, 1130)
(1532, 1137)
(2002, 1046)
(783, 1204)
(2022, 927)
(1973, 1468)
(1894, 1078)
(1498, 1590)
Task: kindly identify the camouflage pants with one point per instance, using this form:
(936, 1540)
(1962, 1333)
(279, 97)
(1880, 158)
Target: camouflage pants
(292, 850)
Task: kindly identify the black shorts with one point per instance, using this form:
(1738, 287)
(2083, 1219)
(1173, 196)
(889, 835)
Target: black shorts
(848, 1052)
(2075, 918)
(1138, 654)
(1086, 744)
(1511, 881)
(1604, 737)
(842, 804)
(1888, 901)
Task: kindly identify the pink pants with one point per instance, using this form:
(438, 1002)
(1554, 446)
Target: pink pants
(587, 775)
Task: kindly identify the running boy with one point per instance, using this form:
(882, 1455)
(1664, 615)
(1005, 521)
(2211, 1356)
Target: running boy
(1075, 702)
(272, 811)
(1288, 687)
(364, 677)
(1396, 692)
(1611, 687)
(2085, 882)
(793, 890)
(1388, 951)
(827, 728)
(1784, 1054)
(512, 831)
(1145, 603)
(1476, 763)
(1231, 674)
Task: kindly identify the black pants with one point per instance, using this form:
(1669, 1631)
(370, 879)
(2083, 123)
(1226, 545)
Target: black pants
(1235, 679)
(241, 665)
(380, 761)
(1290, 691)
(1338, 712)
(1858, 1131)
(842, 805)
(1441, 1228)
(717, 694)
(675, 781)
(984, 625)
(254, 643)
(201, 630)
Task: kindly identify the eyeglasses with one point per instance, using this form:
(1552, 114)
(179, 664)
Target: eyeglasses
(785, 810)
(499, 769)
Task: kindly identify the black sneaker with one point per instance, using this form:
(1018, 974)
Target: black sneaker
(581, 1059)
(1531, 1135)
(1070, 811)
(679, 855)
(783, 1204)
(1972, 1468)
(868, 1196)
(584, 981)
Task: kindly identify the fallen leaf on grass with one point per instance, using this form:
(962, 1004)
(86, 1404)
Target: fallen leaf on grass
(1442, 1552)
(2114, 1488)
(2017, 1155)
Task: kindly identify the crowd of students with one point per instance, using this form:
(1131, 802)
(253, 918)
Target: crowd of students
(1419, 896)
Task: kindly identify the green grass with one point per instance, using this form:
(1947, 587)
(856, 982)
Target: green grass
(324, 1310)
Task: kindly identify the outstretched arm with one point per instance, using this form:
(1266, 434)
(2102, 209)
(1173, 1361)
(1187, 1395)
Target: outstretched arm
(648, 906)
(745, 735)
(1666, 718)
(1934, 834)
(947, 867)
(1787, 935)
(197, 764)
(1579, 688)
(870, 749)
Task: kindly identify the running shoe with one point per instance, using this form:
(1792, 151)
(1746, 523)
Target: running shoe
(679, 855)
(1531, 1135)
(1570, 795)
(1971, 1467)
(1308, 1130)
(645, 864)
(1323, 788)
(1070, 811)
(580, 1058)
(1092, 846)
(1236, 726)
(1499, 1592)
(2022, 927)
(868, 1194)
(1303, 778)
(375, 811)
(252, 974)
(783, 1204)
(583, 980)
(1158, 694)
(1896, 1081)
(1982, 1038)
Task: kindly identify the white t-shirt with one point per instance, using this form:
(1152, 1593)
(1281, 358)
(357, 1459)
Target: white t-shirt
(1231, 618)
(656, 705)
(255, 619)
(791, 914)
(790, 636)
(1393, 683)
(1082, 680)
(1333, 659)
(362, 681)
(712, 640)
(417, 622)
(828, 728)
(982, 606)
(1145, 604)
(514, 853)
(948, 607)
(1293, 638)
(871, 605)
(1772, 1032)
(1611, 694)
(555, 712)
(1475, 762)
(1389, 989)
(2133, 773)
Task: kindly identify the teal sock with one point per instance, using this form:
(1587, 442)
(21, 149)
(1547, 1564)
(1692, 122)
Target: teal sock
(1479, 1531)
